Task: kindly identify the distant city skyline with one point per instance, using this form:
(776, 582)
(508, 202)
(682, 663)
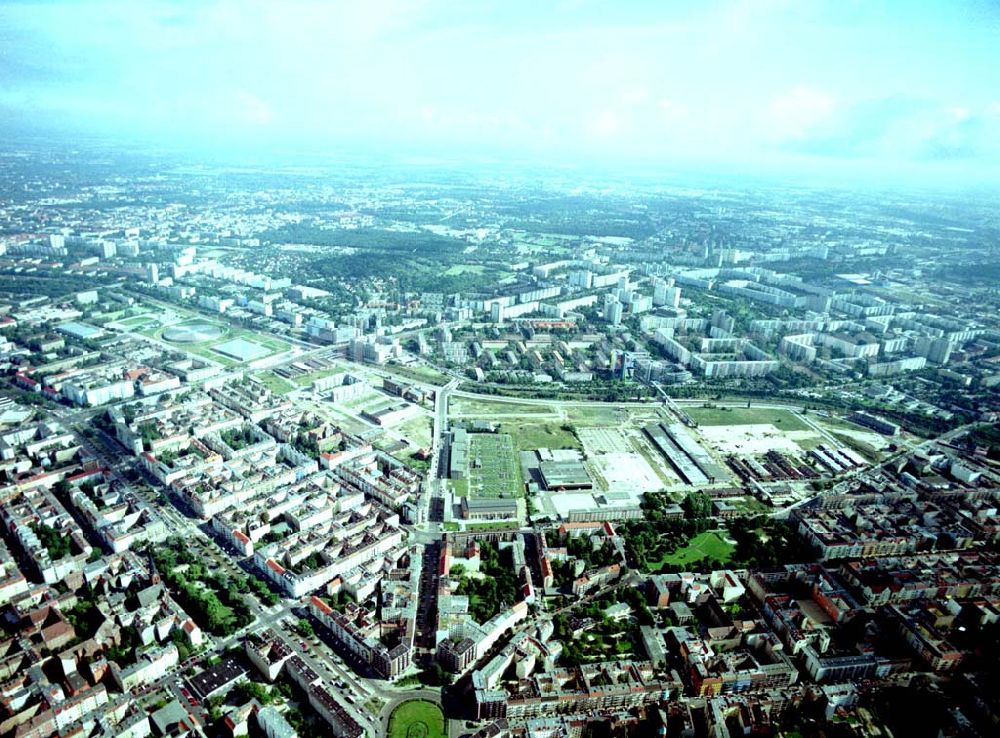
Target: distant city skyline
(856, 87)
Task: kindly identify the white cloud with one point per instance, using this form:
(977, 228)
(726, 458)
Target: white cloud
(798, 113)
(253, 110)
(724, 79)
(606, 124)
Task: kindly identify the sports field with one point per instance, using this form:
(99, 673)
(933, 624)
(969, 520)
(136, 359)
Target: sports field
(417, 719)
(494, 470)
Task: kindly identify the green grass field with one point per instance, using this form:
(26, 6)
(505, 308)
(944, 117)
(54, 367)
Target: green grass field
(463, 406)
(204, 351)
(529, 435)
(188, 319)
(454, 527)
(417, 719)
(702, 546)
(783, 419)
(139, 320)
(278, 385)
(418, 431)
(494, 470)
(596, 416)
(458, 269)
(306, 380)
(416, 373)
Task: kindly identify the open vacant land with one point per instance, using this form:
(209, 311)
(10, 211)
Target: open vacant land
(467, 407)
(597, 415)
(529, 435)
(278, 385)
(784, 419)
(306, 380)
(417, 431)
(755, 439)
(603, 441)
(416, 373)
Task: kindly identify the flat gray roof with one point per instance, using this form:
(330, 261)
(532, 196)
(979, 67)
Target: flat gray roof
(565, 474)
(488, 504)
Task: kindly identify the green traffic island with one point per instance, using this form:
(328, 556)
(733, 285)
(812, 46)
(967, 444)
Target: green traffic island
(417, 719)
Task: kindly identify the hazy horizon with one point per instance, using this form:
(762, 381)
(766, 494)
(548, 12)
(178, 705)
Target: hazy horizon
(887, 90)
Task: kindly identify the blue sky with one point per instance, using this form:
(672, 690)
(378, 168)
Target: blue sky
(913, 86)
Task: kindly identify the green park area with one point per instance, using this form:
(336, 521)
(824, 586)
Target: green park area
(276, 345)
(778, 417)
(707, 545)
(417, 719)
(663, 543)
